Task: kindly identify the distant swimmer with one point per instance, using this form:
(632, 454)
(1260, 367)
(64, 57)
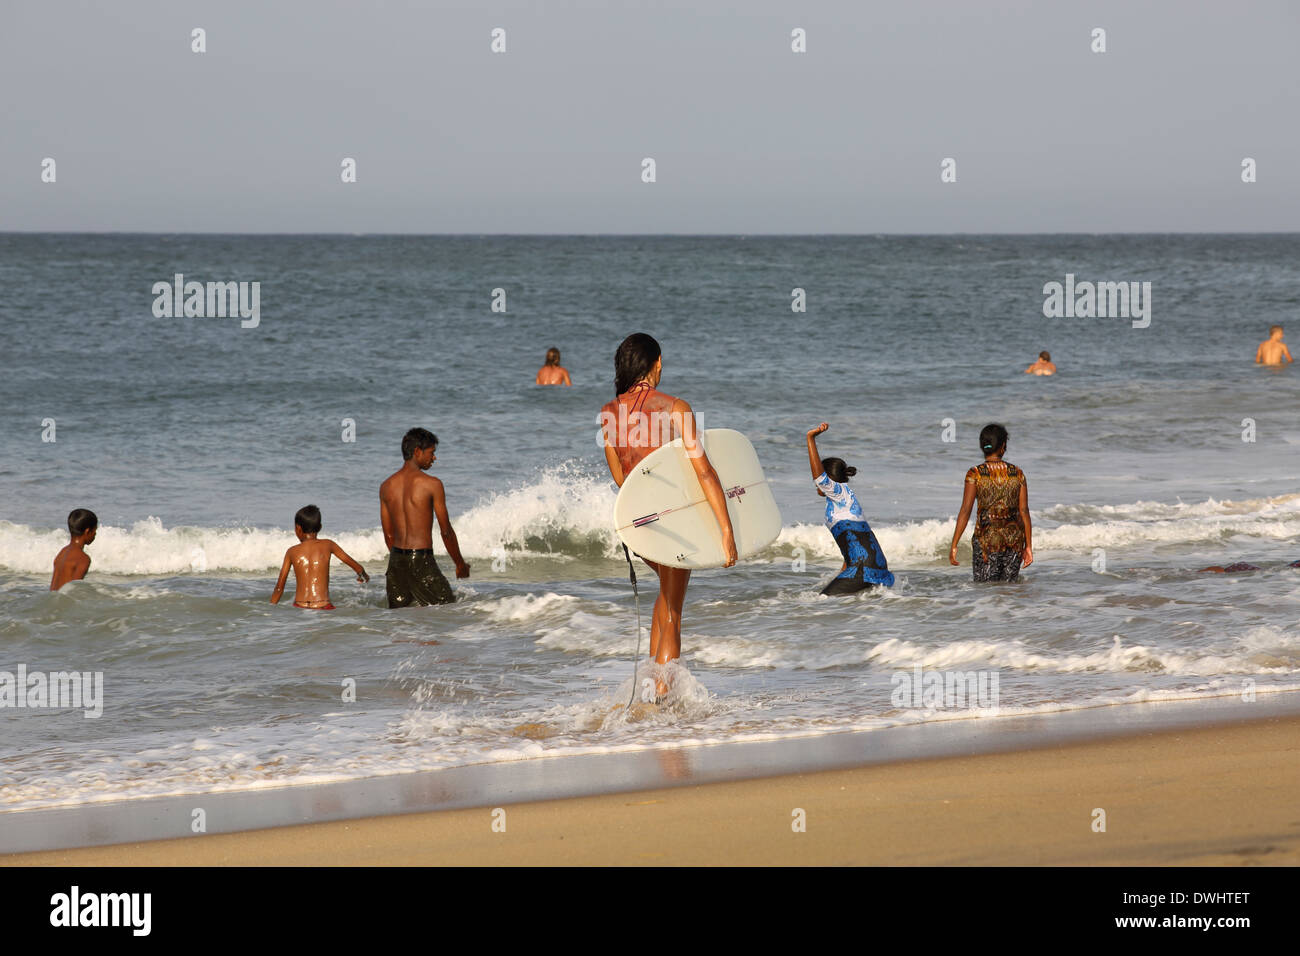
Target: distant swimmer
(310, 560)
(1002, 541)
(1273, 351)
(408, 502)
(640, 419)
(864, 562)
(1232, 568)
(553, 373)
(72, 563)
(1043, 366)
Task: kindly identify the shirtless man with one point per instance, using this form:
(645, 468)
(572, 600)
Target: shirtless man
(408, 502)
(1043, 366)
(1273, 351)
(72, 563)
(553, 373)
(310, 560)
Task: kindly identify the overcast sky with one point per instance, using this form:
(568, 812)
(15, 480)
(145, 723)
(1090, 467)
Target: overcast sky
(748, 137)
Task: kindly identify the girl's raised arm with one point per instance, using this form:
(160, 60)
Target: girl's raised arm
(814, 459)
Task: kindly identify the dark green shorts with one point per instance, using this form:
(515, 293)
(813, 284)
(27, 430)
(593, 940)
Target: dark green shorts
(413, 579)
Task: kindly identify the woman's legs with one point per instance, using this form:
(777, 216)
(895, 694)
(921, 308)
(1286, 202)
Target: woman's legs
(666, 625)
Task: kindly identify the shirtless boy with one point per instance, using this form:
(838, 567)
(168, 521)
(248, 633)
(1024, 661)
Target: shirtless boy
(1043, 366)
(408, 502)
(1273, 351)
(310, 560)
(72, 563)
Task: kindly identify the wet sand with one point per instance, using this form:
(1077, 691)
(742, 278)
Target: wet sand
(1217, 795)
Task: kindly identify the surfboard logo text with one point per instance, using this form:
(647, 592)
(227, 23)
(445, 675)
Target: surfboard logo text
(208, 300)
(736, 492)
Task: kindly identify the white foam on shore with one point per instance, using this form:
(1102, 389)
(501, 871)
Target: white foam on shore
(1263, 649)
(228, 761)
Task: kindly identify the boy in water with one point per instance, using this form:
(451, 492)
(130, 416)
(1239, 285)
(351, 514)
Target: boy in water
(408, 501)
(1272, 351)
(553, 373)
(1043, 366)
(310, 560)
(72, 563)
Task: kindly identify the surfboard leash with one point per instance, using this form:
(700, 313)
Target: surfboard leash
(631, 573)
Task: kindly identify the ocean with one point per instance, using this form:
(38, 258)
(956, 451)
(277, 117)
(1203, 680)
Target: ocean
(1158, 448)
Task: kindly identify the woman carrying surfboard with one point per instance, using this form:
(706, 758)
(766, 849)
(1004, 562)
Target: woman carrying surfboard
(640, 419)
(864, 563)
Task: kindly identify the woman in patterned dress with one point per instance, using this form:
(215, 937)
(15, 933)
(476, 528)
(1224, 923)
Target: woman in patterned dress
(1001, 543)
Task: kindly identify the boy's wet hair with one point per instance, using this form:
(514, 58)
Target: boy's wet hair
(552, 356)
(1274, 328)
(308, 518)
(837, 471)
(417, 439)
(1045, 355)
(635, 357)
(992, 437)
(81, 520)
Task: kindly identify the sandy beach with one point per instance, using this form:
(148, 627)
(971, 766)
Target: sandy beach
(1222, 795)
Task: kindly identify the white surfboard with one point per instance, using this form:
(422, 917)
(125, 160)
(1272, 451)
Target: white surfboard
(662, 514)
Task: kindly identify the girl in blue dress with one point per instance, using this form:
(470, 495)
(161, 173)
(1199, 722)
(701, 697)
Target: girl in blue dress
(864, 563)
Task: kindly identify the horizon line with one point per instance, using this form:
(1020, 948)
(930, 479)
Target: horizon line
(632, 235)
